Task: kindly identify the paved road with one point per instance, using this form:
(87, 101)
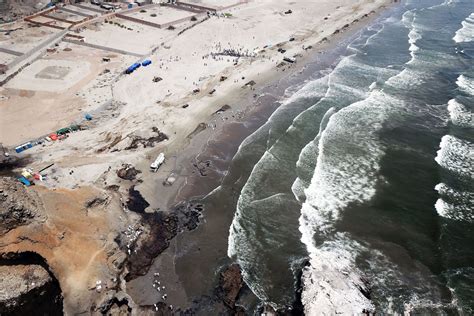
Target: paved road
(9, 51)
(89, 8)
(109, 49)
(76, 12)
(30, 56)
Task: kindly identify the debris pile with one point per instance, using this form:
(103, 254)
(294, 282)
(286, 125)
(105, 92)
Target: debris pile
(161, 228)
(99, 200)
(202, 167)
(189, 214)
(18, 206)
(132, 234)
(230, 283)
(128, 172)
(147, 142)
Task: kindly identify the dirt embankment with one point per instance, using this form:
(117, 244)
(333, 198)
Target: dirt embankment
(11, 10)
(73, 230)
(28, 287)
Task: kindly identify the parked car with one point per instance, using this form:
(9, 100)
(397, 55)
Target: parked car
(107, 7)
(95, 2)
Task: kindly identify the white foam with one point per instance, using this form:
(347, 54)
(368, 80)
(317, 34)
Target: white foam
(459, 115)
(331, 285)
(413, 37)
(342, 176)
(308, 154)
(460, 206)
(406, 79)
(454, 212)
(456, 155)
(408, 20)
(313, 89)
(466, 84)
(466, 32)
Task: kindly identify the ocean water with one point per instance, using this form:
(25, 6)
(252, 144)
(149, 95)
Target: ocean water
(364, 177)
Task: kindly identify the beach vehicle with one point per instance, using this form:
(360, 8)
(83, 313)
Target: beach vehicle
(155, 165)
(107, 7)
(289, 59)
(146, 62)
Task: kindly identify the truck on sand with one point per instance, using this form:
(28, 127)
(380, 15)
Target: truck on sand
(155, 165)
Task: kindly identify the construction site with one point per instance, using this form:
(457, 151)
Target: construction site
(63, 59)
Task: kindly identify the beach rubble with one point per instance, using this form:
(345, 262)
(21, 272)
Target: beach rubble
(127, 172)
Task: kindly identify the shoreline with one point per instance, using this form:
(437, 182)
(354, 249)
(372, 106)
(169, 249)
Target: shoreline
(225, 141)
(183, 149)
(270, 81)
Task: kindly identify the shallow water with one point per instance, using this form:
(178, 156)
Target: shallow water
(368, 170)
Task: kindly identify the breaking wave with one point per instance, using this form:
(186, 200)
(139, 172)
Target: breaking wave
(455, 205)
(466, 84)
(466, 33)
(457, 156)
(459, 114)
(323, 153)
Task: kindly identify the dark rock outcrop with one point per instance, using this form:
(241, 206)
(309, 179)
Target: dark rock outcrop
(19, 280)
(135, 202)
(97, 201)
(18, 205)
(202, 167)
(188, 215)
(128, 172)
(147, 142)
(230, 283)
(27, 286)
(161, 229)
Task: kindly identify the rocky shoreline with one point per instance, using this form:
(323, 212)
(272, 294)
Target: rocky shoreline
(27, 286)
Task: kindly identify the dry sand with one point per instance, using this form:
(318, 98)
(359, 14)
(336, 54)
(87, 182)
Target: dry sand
(125, 106)
(25, 36)
(52, 75)
(6, 58)
(163, 14)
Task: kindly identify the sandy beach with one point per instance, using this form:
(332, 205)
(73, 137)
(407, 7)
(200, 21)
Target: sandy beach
(206, 73)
